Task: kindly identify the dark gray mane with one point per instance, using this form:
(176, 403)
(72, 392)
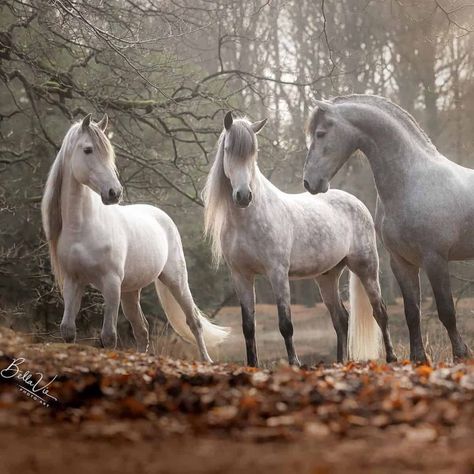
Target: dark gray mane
(384, 104)
(391, 108)
(240, 140)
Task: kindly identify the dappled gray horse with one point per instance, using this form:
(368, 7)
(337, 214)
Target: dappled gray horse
(425, 206)
(117, 249)
(259, 229)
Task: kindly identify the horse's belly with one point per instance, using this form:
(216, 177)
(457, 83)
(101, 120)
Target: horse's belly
(313, 265)
(145, 261)
(462, 250)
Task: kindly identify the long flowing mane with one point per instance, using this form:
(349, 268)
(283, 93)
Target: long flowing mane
(51, 202)
(241, 144)
(404, 118)
(216, 201)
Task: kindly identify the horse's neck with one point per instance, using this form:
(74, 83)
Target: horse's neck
(77, 202)
(392, 152)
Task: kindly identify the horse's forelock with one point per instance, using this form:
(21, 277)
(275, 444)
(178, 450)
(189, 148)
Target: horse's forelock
(313, 120)
(240, 140)
(101, 141)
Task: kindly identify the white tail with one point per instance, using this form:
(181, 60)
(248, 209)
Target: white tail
(365, 336)
(213, 335)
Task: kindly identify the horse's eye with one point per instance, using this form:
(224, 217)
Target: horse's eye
(88, 150)
(320, 133)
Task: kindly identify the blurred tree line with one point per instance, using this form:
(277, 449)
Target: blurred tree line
(166, 71)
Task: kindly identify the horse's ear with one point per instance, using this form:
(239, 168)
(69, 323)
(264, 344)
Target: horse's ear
(257, 126)
(323, 105)
(103, 123)
(228, 120)
(86, 121)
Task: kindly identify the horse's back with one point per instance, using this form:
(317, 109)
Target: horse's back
(336, 206)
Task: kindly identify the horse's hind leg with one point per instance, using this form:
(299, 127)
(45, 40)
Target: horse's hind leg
(329, 288)
(281, 290)
(408, 277)
(438, 274)
(177, 282)
(133, 312)
(368, 275)
(72, 293)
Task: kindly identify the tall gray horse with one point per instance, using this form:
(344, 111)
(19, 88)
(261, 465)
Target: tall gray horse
(259, 230)
(425, 206)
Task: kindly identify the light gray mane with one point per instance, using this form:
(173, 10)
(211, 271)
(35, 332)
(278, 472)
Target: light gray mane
(239, 143)
(51, 202)
(386, 105)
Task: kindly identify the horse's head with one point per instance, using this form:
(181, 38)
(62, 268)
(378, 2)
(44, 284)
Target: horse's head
(93, 161)
(240, 151)
(333, 139)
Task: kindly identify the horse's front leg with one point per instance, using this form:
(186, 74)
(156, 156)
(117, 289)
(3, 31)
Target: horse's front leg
(281, 289)
(111, 292)
(244, 288)
(72, 293)
(438, 274)
(408, 277)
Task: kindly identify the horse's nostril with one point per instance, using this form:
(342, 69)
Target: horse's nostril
(112, 193)
(238, 196)
(250, 196)
(306, 184)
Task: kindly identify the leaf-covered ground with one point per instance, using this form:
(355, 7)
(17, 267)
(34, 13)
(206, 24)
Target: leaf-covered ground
(127, 411)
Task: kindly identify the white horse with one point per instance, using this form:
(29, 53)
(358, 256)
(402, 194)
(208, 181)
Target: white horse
(117, 249)
(259, 229)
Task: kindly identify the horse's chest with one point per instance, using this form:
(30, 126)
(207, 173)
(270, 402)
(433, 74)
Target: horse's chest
(85, 260)
(250, 253)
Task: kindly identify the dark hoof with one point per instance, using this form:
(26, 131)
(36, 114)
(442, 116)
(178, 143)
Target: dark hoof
(420, 358)
(142, 348)
(463, 354)
(391, 358)
(108, 341)
(68, 333)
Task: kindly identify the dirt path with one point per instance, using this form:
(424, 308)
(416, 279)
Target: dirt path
(55, 450)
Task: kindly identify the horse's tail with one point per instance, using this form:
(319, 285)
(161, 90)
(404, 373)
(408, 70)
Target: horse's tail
(364, 338)
(213, 334)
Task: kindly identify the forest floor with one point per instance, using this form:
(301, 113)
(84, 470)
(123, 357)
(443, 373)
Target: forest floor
(118, 411)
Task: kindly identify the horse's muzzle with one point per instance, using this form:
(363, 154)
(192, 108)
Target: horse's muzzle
(243, 198)
(112, 196)
(319, 186)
